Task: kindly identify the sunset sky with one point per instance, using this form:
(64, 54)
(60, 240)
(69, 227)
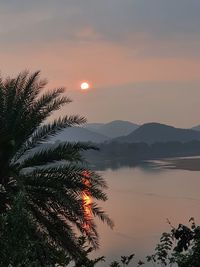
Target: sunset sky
(141, 57)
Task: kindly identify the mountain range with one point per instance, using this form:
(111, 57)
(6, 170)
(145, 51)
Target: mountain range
(75, 134)
(96, 132)
(113, 129)
(156, 132)
(127, 132)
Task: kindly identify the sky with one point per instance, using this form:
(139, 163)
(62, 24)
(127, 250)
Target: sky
(141, 57)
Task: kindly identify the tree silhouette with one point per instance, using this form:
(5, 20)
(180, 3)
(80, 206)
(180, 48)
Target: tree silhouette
(41, 187)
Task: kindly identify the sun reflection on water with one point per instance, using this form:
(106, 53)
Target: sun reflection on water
(87, 201)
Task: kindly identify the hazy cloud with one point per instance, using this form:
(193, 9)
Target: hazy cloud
(136, 23)
(120, 46)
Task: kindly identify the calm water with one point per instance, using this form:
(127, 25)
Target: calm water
(140, 201)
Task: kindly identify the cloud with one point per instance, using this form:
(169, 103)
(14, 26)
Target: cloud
(115, 44)
(147, 29)
(114, 20)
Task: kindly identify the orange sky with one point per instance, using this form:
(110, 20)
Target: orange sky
(142, 67)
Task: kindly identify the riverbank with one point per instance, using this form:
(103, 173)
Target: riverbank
(190, 164)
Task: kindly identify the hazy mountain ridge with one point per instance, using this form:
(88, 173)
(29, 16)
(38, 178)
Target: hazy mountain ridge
(94, 126)
(75, 134)
(156, 132)
(113, 129)
(95, 132)
(127, 132)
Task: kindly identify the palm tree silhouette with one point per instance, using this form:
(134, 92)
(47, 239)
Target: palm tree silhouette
(48, 180)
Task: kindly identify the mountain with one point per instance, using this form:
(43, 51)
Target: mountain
(113, 129)
(75, 134)
(94, 126)
(155, 132)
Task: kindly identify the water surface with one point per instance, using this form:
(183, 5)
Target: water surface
(141, 199)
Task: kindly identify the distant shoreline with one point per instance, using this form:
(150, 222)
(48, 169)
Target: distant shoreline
(182, 163)
(190, 164)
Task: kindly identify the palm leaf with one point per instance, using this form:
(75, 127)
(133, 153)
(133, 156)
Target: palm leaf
(51, 180)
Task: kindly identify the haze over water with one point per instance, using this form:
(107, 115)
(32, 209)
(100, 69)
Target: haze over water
(140, 201)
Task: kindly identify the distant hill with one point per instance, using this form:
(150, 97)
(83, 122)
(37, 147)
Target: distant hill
(75, 134)
(113, 129)
(94, 126)
(155, 132)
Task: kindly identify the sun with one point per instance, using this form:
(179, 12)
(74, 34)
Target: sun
(85, 86)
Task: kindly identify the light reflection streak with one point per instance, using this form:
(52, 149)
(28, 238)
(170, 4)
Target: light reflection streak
(87, 201)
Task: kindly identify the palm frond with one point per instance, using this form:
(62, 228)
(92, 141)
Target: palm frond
(52, 180)
(102, 215)
(46, 131)
(64, 151)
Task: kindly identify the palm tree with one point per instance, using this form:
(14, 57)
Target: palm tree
(42, 186)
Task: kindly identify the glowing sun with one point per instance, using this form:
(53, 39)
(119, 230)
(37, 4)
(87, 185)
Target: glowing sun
(85, 86)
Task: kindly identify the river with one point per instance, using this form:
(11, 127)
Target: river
(141, 199)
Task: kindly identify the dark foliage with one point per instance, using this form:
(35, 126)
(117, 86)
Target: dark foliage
(180, 247)
(41, 189)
